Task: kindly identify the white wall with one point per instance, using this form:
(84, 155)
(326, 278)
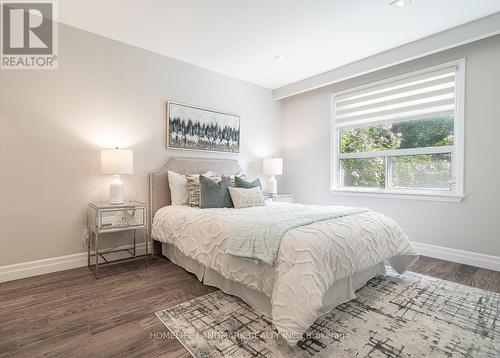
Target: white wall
(104, 94)
(471, 225)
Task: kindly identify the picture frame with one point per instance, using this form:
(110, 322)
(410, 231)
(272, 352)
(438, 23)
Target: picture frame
(202, 129)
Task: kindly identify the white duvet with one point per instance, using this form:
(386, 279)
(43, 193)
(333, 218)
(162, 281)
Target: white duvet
(310, 259)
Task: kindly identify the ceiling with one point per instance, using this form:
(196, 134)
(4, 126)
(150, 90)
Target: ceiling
(241, 38)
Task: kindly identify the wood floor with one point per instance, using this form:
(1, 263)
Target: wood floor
(70, 313)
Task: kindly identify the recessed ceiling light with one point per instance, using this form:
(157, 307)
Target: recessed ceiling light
(400, 3)
(280, 57)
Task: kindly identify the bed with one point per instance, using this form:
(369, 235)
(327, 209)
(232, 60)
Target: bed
(319, 265)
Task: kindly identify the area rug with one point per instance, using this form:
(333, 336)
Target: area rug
(408, 315)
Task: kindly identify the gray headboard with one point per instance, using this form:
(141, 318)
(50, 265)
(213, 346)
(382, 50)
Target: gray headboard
(159, 191)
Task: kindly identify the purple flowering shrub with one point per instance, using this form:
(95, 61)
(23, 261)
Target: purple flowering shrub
(422, 171)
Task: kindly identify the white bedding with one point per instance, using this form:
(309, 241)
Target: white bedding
(311, 258)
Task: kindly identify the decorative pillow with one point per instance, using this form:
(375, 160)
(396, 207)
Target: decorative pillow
(242, 183)
(244, 198)
(178, 188)
(241, 175)
(193, 186)
(214, 195)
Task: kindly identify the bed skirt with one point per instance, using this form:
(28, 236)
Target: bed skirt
(340, 292)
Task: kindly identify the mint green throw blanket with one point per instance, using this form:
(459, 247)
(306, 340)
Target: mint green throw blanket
(257, 234)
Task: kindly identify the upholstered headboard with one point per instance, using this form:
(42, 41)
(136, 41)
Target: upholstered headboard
(159, 191)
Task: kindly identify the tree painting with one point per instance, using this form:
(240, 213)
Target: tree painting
(201, 129)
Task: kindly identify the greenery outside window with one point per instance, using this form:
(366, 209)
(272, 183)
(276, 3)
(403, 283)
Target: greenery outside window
(402, 137)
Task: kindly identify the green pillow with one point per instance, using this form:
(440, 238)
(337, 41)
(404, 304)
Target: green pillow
(213, 194)
(242, 183)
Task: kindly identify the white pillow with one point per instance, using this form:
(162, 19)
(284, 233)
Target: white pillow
(244, 198)
(178, 188)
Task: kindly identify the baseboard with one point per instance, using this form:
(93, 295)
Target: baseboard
(53, 264)
(463, 257)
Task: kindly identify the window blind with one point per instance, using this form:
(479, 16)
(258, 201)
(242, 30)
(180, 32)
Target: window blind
(419, 96)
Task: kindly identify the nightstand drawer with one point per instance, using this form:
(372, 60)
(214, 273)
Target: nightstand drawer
(120, 218)
(279, 198)
(283, 198)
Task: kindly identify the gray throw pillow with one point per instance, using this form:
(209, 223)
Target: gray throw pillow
(214, 195)
(242, 183)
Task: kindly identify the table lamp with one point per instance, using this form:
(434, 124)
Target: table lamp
(117, 161)
(272, 167)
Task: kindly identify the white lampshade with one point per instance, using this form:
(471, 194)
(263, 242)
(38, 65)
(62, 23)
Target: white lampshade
(117, 161)
(273, 166)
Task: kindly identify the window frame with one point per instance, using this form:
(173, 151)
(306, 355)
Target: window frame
(455, 194)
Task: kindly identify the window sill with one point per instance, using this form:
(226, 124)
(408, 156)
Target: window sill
(405, 195)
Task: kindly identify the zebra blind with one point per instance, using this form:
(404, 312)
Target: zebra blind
(418, 96)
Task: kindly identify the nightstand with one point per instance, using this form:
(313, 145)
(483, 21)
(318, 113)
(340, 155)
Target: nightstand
(281, 198)
(106, 218)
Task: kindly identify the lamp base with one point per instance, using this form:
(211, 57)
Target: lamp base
(273, 185)
(116, 190)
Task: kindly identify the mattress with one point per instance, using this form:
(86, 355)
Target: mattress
(312, 259)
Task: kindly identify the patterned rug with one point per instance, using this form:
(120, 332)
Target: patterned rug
(408, 315)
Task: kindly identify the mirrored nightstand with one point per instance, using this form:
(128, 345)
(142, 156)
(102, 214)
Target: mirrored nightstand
(107, 218)
(279, 198)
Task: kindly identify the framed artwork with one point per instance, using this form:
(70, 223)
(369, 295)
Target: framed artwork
(196, 128)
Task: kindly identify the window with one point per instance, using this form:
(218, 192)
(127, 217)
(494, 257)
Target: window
(402, 136)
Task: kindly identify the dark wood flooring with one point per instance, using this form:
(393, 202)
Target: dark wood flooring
(70, 313)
